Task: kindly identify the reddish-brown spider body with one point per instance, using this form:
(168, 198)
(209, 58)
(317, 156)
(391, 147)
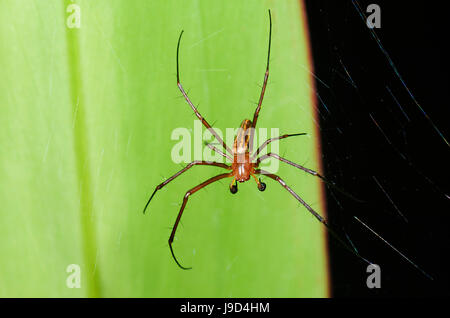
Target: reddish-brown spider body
(242, 166)
(242, 170)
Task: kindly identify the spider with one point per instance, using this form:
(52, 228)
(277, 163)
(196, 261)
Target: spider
(246, 165)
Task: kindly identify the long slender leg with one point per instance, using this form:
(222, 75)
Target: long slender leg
(312, 172)
(274, 155)
(219, 152)
(185, 199)
(320, 218)
(266, 76)
(193, 163)
(268, 141)
(284, 185)
(263, 89)
(203, 120)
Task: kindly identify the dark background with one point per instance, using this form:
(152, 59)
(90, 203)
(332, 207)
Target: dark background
(409, 160)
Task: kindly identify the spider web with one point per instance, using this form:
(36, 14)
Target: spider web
(381, 102)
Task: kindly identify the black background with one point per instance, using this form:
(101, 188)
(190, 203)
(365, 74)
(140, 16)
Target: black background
(412, 168)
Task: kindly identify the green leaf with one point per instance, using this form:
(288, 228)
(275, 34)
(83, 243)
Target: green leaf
(86, 119)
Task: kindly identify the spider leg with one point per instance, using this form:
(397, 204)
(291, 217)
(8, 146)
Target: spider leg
(218, 151)
(312, 172)
(320, 218)
(200, 117)
(185, 199)
(193, 163)
(263, 89)
(268, 141)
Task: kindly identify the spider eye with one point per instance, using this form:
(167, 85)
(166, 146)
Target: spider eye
(233, 188)
(261, 186)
